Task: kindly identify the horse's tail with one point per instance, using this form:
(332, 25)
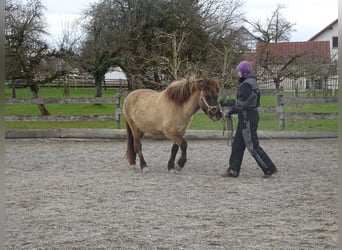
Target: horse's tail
(130, 153)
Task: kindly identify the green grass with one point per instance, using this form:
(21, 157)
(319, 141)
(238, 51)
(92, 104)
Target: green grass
(268, 121)
(45, 92)
(60, 109)
(312, 107)
(56, 125)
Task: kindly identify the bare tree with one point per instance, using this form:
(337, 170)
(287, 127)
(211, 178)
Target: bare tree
(319, 72)
(27, 54)
(68, 45)
(174, 43)
(100, 47)
(272, 64)
(225, 47)
(275, 28)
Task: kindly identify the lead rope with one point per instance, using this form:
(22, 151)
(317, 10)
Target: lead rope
(230, 130)
(227, 125)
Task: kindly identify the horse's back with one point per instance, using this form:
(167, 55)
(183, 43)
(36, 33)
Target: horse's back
(142, 110)
(138, 100)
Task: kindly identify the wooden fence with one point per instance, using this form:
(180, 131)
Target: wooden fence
(117, 84)
(283, 100)
(117, 115)
(117, 100)
(301, 115)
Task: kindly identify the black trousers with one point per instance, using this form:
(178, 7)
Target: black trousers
(246, 137)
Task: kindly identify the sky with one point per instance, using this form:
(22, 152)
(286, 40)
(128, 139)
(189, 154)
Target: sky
(309, 16)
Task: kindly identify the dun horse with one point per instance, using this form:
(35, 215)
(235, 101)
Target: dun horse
(168, 113)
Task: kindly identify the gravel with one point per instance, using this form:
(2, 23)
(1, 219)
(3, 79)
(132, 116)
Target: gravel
(82, 194)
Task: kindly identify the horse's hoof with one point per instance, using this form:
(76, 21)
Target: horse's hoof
(172, 171)
(178, 168)
(131, 167)
(145, 169)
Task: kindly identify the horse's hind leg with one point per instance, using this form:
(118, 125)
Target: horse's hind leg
(182, 160)
(138, 150)
(171, 162)
(130, 153)
(135, 136)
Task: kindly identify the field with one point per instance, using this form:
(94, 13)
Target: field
(268, 121)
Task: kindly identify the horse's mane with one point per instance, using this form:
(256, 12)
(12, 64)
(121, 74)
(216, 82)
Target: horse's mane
(180, 91)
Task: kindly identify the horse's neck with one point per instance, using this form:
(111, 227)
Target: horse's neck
(191, 106)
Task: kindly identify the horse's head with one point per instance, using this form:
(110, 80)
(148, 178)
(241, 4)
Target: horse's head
(208, 98)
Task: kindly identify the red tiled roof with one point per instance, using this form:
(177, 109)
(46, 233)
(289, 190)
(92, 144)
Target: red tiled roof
(304, 52)
(323, 30)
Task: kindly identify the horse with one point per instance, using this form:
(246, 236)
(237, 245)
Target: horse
(169, 113)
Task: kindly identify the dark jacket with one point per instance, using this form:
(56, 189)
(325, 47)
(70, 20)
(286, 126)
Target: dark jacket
(248, 94)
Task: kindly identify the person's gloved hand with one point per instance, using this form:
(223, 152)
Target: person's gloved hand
(229, 115)
(231, 103)
(223, 101)
(228, 103)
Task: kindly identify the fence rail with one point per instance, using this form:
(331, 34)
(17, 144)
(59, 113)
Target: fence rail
(70, 118)
(63, 100)
(117, 115)
(301, 100)
(283, 116)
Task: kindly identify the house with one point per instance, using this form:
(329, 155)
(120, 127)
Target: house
(301, 52)
(291, 63)
(329, 33)
(248, 39)
(305, 59)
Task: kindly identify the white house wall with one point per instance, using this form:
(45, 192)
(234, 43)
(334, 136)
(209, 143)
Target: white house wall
(327, 35)
(301, 83)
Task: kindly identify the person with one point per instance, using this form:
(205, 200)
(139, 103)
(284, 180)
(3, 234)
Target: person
(245, 105)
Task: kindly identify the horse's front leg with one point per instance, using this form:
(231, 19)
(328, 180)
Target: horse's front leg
(138, 150)
(182, 160)
(171, 162)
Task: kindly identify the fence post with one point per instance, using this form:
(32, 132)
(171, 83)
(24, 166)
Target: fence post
(118, 109)
(281, 108)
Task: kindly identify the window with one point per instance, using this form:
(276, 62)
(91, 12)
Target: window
(335, 42)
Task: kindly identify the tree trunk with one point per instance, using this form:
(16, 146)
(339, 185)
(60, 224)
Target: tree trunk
(66, 89)
(277, 83)
(277, 86)
(325, 87)
(34, 90)
(14, 94)
(98, 85)
(98, 89)
(313, 87)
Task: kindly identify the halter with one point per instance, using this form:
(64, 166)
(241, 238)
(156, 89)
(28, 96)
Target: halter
(209, 107)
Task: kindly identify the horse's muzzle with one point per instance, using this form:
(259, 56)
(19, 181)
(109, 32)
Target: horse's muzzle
(218, 115)
(215, 114)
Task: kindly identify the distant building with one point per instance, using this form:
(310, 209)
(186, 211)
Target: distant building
(330, 34)
(115, 73)
(303, 52)
(248, 39)
(322, 49)
(302, 56)
(115, 77)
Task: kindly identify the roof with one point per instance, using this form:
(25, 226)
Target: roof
(329, 27)
(245, 31)
(304, 52)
